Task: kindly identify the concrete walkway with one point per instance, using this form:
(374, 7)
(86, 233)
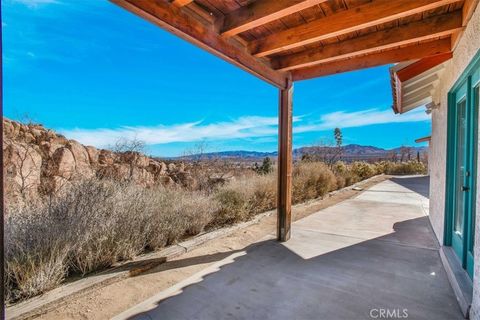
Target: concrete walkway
(371, 255)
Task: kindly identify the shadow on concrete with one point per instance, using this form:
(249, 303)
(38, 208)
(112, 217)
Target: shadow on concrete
(400, 272)
(418, 184)
(154, 265)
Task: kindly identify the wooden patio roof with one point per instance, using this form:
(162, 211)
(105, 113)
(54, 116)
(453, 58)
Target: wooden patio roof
(303, 39)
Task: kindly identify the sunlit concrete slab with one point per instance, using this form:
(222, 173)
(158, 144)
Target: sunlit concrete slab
(348, 261)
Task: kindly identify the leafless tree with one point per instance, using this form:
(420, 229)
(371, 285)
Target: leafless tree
(405, 153)
(26, 168)
(325, 151)
(392, 156)
(129, 151)
(207, 168)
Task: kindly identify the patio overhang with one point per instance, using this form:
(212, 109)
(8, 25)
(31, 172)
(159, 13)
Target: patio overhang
(282, 41)
(423, 139)
(414, 82)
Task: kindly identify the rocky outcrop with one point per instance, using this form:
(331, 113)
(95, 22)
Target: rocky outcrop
(40, 161)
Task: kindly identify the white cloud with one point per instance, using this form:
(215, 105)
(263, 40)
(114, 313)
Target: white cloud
(361, 118)
(245, 127)
(242, 128)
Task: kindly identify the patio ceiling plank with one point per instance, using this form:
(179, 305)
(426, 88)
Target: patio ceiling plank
(262, 12)
(411, 52)
(181, 3)
(368, 15)
(430, 28)
(174, 20)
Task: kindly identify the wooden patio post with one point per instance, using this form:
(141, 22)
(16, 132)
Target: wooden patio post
(284, 195)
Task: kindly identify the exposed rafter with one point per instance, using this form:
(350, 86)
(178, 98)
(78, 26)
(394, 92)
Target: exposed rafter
(431, 28)
(262, 12)
(376, 12)
(181, 3)
(172, 19)
(411, 52)
(422, 65)
(467, 10)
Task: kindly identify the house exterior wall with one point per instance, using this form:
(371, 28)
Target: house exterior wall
(466, 49)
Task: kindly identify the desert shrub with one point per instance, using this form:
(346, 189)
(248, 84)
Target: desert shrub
(344, 175)
(341, 181)
(383, 167)
(363, 170)
(240, 199)
(233, 205)
(35, 253)
(92, 225)
(410, 167)
(340, 168)
(264, 193)
(312, 180)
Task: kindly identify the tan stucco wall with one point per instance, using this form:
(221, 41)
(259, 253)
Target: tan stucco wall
(462, 56)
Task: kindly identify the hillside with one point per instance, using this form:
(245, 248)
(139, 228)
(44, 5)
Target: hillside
(349, 152)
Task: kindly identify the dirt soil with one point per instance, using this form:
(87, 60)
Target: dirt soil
(110, 300)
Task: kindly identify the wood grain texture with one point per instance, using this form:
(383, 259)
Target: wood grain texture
(285, 163)
(411, 52)
(422, 65)
(431, 28)
(262, 12)
(374, 13)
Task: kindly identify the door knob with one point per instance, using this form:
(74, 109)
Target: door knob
(465, 188)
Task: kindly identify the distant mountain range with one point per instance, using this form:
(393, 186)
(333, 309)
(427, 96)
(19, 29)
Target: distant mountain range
(349, 152)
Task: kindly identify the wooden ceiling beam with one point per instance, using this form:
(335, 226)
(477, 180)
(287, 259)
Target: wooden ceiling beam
(430, 28)
(262, 12)
(422, 65)
(411, 52)
(181, 3)
(175, 21)
(467, 9)
(368, 15)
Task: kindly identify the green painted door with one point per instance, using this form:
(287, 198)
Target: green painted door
(475, 95)
(461, 165)
(461, 172)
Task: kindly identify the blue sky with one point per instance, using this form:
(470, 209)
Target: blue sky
(97, 74)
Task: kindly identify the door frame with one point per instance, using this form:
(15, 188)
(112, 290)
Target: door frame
(472, 144)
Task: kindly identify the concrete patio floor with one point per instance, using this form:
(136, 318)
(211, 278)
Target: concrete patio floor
(374, 252)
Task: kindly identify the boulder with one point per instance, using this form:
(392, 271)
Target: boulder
(8, 129)
(142, 177)
(82, 161)
(156, 168)
(143, 161)
(92, 154)
(48, 148)
(172, 167)
(63, 163)
(106, 157)
(166, 180)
